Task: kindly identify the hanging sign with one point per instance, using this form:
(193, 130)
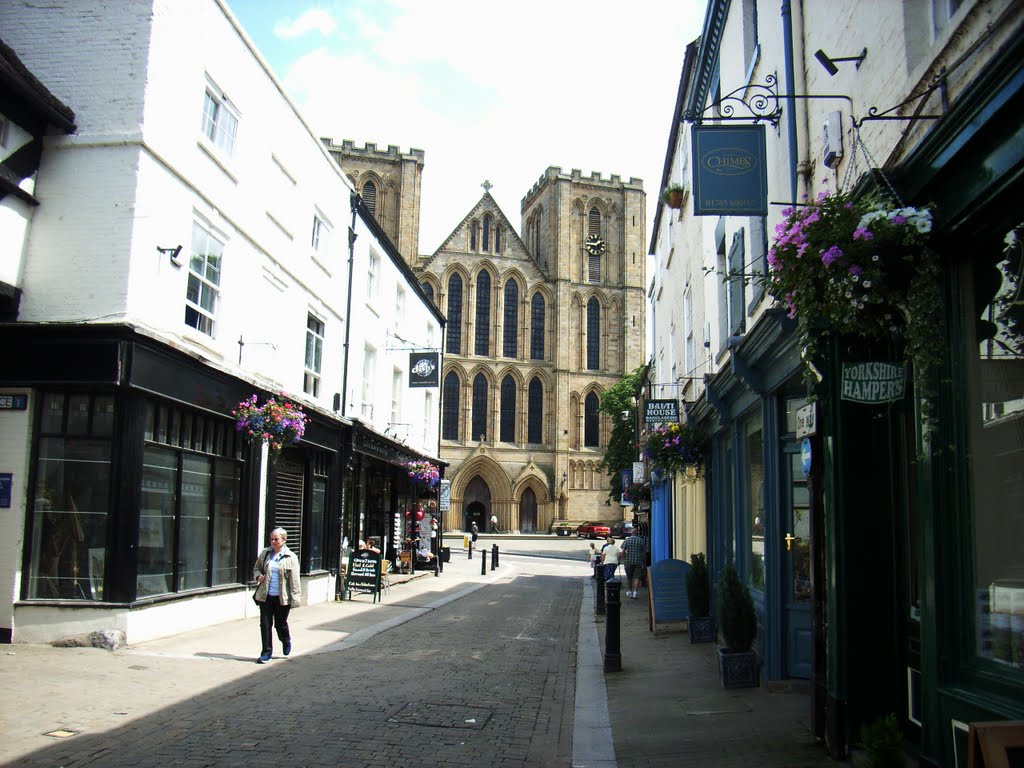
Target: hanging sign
(661, 411)
(873, 383)
(423, 369)
(805, 421)
(729, 173)
(9, 402)
(638, 472)
(444, 500)
(6, 484)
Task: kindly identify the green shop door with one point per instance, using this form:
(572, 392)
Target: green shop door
(796, 566)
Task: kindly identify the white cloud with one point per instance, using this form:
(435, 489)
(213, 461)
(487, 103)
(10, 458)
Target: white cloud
(501, 95)
(315, 19)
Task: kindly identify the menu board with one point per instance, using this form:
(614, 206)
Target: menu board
(364, 573)
(668, 599)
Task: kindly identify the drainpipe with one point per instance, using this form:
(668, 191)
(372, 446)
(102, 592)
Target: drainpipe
(787, 45)
(353, 198)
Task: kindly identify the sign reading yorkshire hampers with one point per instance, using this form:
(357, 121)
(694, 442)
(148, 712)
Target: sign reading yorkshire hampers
(873, 382)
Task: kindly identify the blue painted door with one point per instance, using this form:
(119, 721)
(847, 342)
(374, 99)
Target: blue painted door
(796, 566)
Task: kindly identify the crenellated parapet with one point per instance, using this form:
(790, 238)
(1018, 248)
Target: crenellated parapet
(594, 179)
(370, 151)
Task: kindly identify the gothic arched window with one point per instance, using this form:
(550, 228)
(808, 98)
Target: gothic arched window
(454, 345)
(497, 239)
(510, 348)
(479, 408)
(535, 412)
(428, 289)
(483, 313)
(594, 222)
(450, 411)
(591, 422)
(537, 327)
(474, 231)
(593, 334)
(508, 410)
(487, 231)
(370, 197)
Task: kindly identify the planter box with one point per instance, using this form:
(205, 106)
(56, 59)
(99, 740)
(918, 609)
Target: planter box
(701, 629)
(738, 670)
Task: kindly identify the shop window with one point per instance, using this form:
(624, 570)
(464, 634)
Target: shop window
(754, 482)
(72, 497)
(995, 423)
(189, 504)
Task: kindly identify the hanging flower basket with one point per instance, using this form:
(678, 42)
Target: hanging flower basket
(277, 422)
(638, 493)
(673, 447)
(673, 196)
(424, 475)
(859, 267)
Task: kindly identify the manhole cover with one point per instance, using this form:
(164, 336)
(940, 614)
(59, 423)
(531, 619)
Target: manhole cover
(442, 716)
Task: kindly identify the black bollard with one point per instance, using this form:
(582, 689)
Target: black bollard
(599, 587)
(470, 550)
(612, 650)
(483, 562)
(494, 556)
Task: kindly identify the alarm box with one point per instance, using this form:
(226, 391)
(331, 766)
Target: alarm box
(832, 139)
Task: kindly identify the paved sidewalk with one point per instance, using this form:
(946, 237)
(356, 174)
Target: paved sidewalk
(668, 708)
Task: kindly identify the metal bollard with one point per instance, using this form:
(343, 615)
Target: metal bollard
(599, 590)
(470, 550)
(612, 650)
(494, 556)
(483, 562)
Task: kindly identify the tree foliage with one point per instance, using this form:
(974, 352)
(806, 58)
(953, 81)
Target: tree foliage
(622, 449)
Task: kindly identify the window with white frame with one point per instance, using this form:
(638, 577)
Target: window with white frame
(690, 352)
(220, 122)
(429, 417)
(372, 276)
(203, 289)
(314, 355)
(399, 306)
(369, 377)
(396, 398)
(321, 232)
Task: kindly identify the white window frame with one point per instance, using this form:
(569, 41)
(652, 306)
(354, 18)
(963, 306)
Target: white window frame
(315, 328)
(205, 281)
(399, 306)
(396, 398)
(369, 378)
(372, 276)
(220, 121)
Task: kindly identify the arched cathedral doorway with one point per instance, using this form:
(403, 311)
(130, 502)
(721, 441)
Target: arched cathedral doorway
(476, 503)
(528, 511)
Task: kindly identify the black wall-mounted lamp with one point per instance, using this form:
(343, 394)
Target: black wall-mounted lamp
(172, 252)
(829, 63)
(565, 477)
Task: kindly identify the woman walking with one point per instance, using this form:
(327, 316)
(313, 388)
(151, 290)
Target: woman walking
(278, 590)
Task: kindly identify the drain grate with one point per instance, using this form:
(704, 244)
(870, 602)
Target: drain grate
(442, 716)
(61, 733)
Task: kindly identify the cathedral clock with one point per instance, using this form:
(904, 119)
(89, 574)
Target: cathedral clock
(594, 245)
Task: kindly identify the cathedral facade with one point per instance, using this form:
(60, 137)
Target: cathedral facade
(540, 324)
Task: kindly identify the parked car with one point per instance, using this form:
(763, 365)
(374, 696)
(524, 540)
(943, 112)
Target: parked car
(563, 530)
(622, 530)
(593, 531)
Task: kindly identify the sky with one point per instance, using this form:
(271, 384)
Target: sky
(495, 92)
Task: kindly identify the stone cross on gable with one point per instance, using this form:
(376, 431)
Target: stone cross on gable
(487, 185)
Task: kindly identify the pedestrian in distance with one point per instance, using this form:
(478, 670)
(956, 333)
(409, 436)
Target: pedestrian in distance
(494, 523)
(474, 531)
(593, 558)
(278, 590)
(633, 550)
(609, 558)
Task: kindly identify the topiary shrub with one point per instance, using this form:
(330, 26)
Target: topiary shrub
(736, 617)
(698, 586)
(883, 741)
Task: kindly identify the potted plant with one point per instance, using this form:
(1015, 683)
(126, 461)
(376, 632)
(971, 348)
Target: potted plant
(673, 196)
(859, 267)
(425, 475)
(883, 742)
(698, 593)
(674, 446)
(276, 423)
(737, 663)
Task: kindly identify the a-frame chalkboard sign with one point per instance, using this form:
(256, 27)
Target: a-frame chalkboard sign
(363, 573)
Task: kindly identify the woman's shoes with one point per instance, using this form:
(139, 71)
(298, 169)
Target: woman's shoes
(287, 647)
(264, 658)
